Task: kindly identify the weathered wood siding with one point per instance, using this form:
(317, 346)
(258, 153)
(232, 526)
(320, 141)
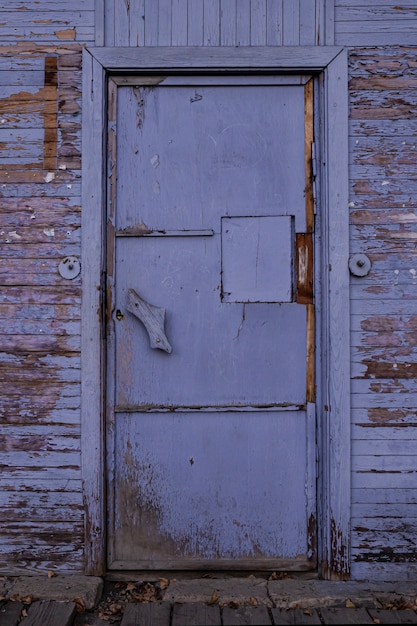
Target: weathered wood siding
(383, 178)
(375, 22)
(41, 503)
(212, 23)
(47, 21)
(41, 499)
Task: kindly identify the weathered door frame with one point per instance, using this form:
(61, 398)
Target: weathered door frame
(329, 64)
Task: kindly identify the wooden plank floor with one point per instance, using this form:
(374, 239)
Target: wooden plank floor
(49, 613)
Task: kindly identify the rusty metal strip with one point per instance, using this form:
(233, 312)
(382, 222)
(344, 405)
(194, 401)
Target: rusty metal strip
(50, 142)
(308, 152)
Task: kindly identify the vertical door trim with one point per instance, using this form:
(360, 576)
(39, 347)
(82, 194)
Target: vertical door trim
(92, 337)
(333, 407)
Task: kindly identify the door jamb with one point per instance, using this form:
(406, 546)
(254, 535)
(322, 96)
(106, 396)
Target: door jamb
(333, 405)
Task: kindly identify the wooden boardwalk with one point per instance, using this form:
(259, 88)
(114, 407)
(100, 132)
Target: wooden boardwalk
(52, 613)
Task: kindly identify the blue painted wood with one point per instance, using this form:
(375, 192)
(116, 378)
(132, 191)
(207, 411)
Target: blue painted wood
(137, 23)
(258, 19)
(257, 259)
(335, 392)
(311, 58)
(228, 12)
(361, 23)
(165, 23)
(211, 21)
(195, 23)
(243, 23)
(92, 433)
(215, 22)
(151, 19)
(274, 23)
(210, 486)
(179, 27)
(291, 22)
(236, 351)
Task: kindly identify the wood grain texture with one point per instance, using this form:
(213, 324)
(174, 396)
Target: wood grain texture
(40, 337)
(50, 614)
(373, 23)
(147, 614)
(92, 450)
(211, 23)
(49, 22)
(382, 147)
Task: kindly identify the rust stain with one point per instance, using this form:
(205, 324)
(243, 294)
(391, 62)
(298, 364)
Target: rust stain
(68, 34)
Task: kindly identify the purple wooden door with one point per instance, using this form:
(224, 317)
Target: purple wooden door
(211, 426)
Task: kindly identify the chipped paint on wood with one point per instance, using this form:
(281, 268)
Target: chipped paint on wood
(40, 340)
(40, 223)
(382, 209)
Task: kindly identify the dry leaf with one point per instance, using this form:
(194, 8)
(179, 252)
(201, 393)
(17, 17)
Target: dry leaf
(349, 604)
(130, 586)
(376, 620)
(214, 598)
(163, 583)
(80, 605)
(253, 601)
(51, 574)
(27, 599)
(233, 604)
(308, 612)
(24, 613)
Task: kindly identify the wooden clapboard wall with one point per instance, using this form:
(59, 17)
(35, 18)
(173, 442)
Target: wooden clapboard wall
(212, 23)
(383, 183)
(41, 500)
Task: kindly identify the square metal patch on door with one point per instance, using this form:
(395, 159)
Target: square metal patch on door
(257, 258)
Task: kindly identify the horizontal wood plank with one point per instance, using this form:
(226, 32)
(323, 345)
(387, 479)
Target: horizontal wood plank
(49, 613)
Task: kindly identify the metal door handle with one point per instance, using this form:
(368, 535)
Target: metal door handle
(152, 317)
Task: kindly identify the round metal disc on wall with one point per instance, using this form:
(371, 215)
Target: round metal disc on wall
(69, 267)
(359, 265)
